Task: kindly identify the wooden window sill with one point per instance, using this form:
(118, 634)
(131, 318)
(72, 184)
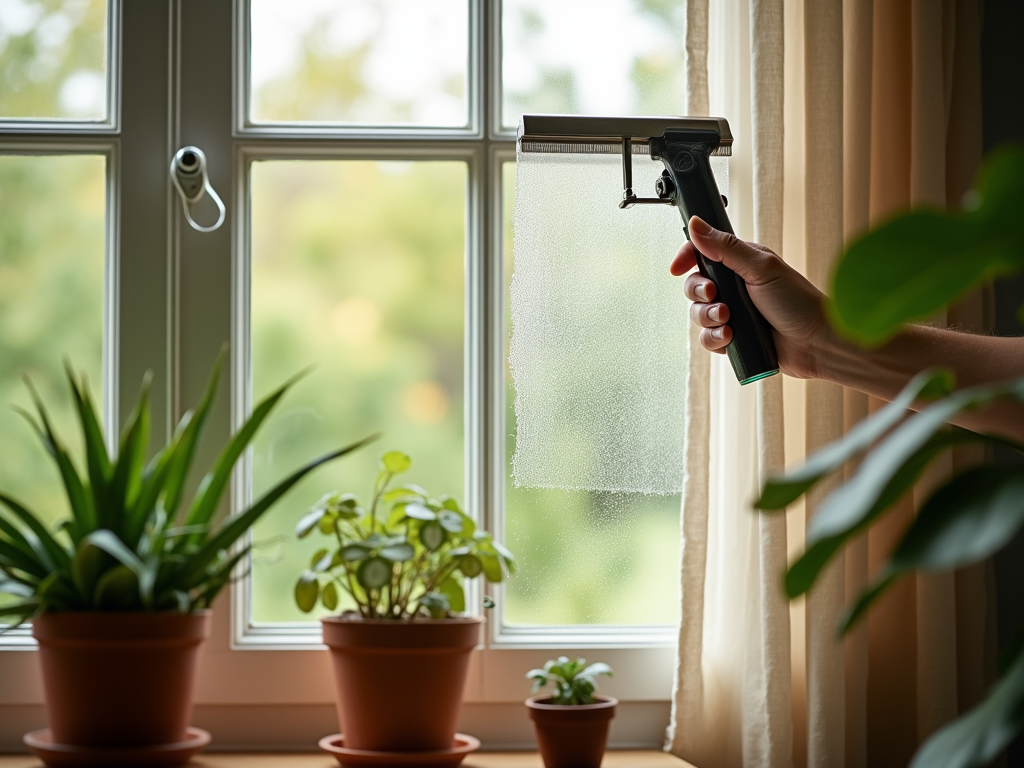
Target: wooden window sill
(613, 759)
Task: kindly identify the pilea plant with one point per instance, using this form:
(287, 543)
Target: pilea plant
(407, 555)
(574, 681)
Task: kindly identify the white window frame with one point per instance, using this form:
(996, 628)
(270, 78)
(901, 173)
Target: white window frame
(204, 285)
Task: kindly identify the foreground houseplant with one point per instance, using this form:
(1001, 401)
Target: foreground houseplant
(929, 259)
(118, 595)
(397, 568)
(571, 723)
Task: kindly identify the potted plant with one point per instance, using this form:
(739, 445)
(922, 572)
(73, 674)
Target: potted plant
(118, 594)
(978, 510)
(572, 723)
(397, 569)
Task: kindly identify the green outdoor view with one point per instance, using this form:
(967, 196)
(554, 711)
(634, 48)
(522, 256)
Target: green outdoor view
(357, 269)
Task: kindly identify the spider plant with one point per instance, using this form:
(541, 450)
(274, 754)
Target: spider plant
(130, 542)
(574, 681)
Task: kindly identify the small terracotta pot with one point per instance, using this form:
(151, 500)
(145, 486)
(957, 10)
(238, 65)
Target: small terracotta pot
(571, 736)
(119, 679)
(398, 684)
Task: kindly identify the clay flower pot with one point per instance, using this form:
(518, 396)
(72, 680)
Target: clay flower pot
(398, 684)
(571, 736)
(119, 679)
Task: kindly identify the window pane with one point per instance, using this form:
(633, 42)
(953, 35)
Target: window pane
(378, 62)
(357, 268)
(570, 57)
(53, 59)
(52, 257)
(585, 557)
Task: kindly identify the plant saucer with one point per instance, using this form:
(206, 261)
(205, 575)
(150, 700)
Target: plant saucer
(56, 755)
(462, 745)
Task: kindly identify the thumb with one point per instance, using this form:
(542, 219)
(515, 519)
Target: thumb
(747, 261)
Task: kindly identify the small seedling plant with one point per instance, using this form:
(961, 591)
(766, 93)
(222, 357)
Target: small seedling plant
(574, 681)
(407, 555)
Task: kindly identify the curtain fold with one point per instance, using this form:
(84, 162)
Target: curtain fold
(844, 112)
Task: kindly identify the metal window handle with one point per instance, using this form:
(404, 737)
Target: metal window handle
(188, 174)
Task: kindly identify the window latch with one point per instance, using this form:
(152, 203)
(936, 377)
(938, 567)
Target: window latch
(188, 174)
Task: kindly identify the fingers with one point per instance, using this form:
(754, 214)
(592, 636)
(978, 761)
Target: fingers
(697, 288)
(684, 261)
(716, 339)
(709, 315)
(754, 264)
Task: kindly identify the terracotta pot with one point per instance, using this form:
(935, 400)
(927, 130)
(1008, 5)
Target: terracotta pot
(571, 736)
(119, 679)
(398, 684)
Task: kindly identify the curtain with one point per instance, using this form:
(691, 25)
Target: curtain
(843, 113)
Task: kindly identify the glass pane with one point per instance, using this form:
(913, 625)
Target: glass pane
(585, 557)
(571, 58)
(53, 59)
(377, 62)
(52, 257)
(357, 269)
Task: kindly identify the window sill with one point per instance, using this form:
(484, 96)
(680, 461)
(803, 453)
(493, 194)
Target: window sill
(614, 759)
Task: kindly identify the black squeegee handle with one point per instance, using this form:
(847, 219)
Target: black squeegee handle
(686, 155)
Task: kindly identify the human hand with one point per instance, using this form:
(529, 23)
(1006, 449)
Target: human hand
(788, 301)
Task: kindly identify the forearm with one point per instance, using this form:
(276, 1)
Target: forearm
(974, 360)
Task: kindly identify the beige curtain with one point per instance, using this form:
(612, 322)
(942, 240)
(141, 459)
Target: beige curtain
(843, 113)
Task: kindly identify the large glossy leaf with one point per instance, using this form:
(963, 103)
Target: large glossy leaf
(965, 520)
(453, 590)
(972, 516)
(805, 570)
(785, 489)
(845, 509)
(917, 263)
(975, 739)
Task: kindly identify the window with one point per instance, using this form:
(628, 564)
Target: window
(365, 150)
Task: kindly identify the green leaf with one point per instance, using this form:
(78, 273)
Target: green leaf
(970, 517)
(450, 521)
(470, 566)
(452, 589)
(97, 460)
(862, 510)
(117, 590)
(184, 451)
(212, 487)
(374, 573)
(327, 522)
(492, 567)
(15, 588)
(507, 557)
(309, 521)
(432, 535)
(307, 591)
(238, 524)
(965, 520)
(436, 603)
(419, 512)
(37, 539)
(351, 553)
(87, 567)
(929, 258)
(597, 668)
(113, 546)
(783, 490)
(976, 738)
(127, 479)
(398, 553)
(81, 503)
(395, 462)
(317, 557)
(330, 596)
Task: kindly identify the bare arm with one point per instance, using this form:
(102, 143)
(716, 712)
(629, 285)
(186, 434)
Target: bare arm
(809, 348)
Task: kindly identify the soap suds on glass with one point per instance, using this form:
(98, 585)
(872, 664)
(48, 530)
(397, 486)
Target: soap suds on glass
(598, 348)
